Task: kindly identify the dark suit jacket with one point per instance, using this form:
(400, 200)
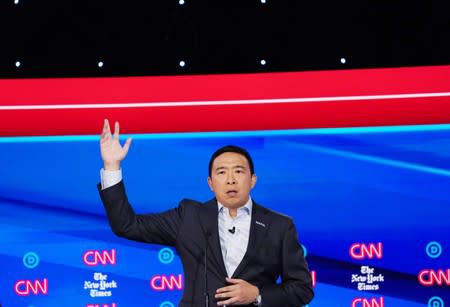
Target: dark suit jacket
(273, 248)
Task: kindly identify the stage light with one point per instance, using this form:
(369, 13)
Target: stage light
(16, 1)
(263, 1)
(343, 61)
(18, 64)
(100, 64)
(181, 2)
(182, 63)
(263, 62)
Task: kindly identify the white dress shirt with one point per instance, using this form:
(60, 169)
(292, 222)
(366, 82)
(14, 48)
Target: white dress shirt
(234, 234)
(110, 178)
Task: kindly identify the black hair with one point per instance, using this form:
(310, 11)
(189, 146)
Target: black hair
(235, 149)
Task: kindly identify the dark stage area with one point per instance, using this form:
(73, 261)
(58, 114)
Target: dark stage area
(70, 38)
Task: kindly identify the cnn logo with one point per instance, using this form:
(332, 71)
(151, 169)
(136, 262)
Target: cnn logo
(364, 302)
(163, 282)
(28, 287)
(95, 257)
(362, 251)
(432, 277)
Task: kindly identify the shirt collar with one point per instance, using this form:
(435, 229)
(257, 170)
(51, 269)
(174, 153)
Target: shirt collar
(247, 207)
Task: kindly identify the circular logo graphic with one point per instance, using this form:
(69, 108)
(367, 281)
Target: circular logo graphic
(166, 255)
(435, 301)
(166, 304)
(433, 249)
(30, 260)
(305, 251)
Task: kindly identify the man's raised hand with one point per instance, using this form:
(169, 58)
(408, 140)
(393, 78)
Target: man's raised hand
(111, 150)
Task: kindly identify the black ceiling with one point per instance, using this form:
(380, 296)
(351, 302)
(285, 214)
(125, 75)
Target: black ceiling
(55, 38)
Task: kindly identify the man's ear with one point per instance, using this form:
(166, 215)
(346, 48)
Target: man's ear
(254, 179)
(210, 183)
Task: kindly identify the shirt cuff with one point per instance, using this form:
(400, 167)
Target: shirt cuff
(110, 178)
(258, 301)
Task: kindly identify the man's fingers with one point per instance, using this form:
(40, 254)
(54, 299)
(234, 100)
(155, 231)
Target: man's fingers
(225, 289)
(229, 301)
(239, 292)
(116, 130)
(105, 132)
(105, 127)
(126, 146)
(228, 293)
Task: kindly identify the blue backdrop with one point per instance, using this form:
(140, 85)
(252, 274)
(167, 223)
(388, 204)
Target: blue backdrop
(387, 185)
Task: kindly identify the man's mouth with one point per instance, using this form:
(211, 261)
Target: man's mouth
(232, 193)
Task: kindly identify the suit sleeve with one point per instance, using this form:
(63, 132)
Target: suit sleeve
(161, 228)
(296, 287)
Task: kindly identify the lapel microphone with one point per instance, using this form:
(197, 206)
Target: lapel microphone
(232, 230)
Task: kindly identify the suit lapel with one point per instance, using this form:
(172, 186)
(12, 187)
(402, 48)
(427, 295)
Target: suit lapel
(258, 228)
(209, 220)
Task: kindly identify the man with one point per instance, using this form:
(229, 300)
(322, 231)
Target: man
(242, 246)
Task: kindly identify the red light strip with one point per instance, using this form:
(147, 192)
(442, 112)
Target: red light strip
(269, 101)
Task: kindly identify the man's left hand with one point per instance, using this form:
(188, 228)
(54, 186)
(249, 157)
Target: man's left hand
(239, 292)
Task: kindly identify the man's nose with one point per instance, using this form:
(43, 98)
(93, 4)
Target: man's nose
(231, 179)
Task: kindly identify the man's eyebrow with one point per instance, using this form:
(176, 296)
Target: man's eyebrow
(235, 166)
(239, 166)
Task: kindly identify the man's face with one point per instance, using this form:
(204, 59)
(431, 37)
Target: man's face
(231, 179)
